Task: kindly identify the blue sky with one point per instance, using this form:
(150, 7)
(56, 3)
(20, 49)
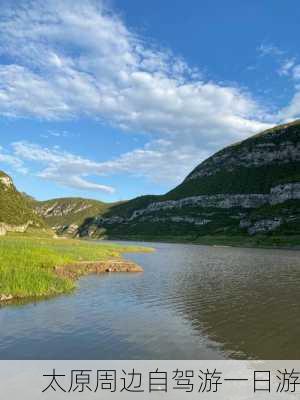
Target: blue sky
(115, 99)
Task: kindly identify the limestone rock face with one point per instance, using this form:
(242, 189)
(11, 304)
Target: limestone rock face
(6, 182)
(16, 211)
(5, 297)
(277, 195)
(249, 188)
(272, 147)
(252, 187)
(59, 209)
(284, 192)
(65, 215)
(261, 226)
(3, 230)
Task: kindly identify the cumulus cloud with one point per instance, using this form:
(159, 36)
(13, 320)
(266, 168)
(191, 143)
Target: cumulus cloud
(73, 171)
(77, 58)
(73, 58)
(59, 166)
(289, 68)
(15, 162)
(296, 72)
(269, 49)
(292, 110)
(286, 67)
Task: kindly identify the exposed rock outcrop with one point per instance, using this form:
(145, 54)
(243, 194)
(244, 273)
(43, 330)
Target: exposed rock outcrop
(76, 270)
(272, 147)
(278, 194)
(5, 297)
(59, 209)
(16, 212)
(261, 226)
(4, 228)
(6, 182)
(251, 187)
(65, 215)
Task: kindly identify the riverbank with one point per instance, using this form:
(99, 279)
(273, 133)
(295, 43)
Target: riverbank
(258, 241)
(38, 265)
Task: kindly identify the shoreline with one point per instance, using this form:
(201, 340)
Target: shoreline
(76, 270)
(212, 242)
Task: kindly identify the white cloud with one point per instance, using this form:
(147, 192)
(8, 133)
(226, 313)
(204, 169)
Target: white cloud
(74, 58)
(289, 68)
(12, 161)
(292, 110)
(269, 49)
(158, 161)
(59, 166)
(67, 59)
(285, 62)
(286, 67)
(296, 72)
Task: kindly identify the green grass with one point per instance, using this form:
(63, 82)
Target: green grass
(257, 241)
(239, 240)
(27, 262)
(15, 208)
(241, 180)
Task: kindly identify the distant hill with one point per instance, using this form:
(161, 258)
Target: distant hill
(249, 188)
(65, 215)
(15, 208)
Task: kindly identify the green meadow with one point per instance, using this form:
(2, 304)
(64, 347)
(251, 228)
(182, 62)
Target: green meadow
(28, 261)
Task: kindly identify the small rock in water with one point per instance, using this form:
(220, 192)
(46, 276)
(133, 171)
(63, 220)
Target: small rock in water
(4, 297)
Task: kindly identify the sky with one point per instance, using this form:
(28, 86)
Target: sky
(113, 99)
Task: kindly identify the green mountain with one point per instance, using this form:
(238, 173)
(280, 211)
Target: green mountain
(249, 188)
(16, 212)
(65, 215)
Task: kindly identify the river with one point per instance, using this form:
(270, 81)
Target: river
(191, 302)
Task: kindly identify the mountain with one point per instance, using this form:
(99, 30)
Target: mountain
(65, 215)
(16, 213)
(249, 188)
(18, 210)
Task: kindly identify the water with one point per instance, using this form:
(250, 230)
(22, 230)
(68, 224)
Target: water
(192, 302)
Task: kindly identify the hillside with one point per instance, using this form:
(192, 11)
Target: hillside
(249, 188)
(15, 209)
(65, 215)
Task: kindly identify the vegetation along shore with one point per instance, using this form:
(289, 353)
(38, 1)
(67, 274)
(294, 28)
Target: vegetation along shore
(36, 264)
(247, 194)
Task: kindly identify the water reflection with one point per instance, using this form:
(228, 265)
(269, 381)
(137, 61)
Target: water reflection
(191, 302)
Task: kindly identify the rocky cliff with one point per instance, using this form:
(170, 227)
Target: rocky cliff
(66, 215)
(248, 188)
(16, 213)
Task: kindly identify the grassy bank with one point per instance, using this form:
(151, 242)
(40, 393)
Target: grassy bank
(257, 241)
(27, 262)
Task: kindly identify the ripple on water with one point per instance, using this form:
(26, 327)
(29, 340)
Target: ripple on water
(191, 302)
